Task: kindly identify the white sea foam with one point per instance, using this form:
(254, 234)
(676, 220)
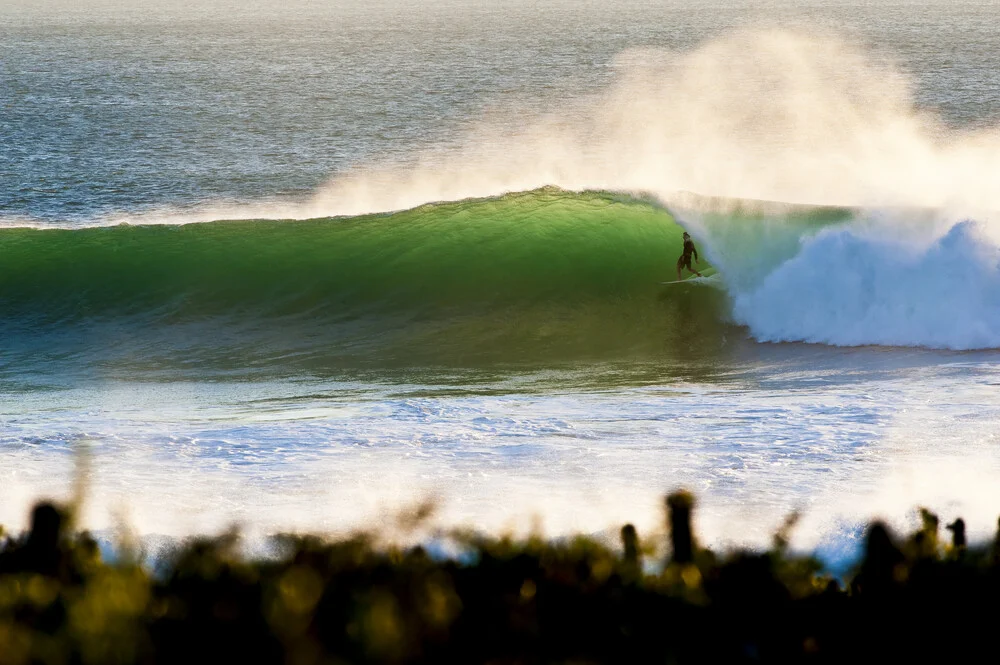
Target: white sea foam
(841, 436)
(850, 286)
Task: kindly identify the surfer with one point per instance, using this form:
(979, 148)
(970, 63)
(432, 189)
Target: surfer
(685, 260)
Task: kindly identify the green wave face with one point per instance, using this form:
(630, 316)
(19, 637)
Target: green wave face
(473, 255)
(535, 276)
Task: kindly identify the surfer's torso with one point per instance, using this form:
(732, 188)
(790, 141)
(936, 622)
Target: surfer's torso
(689, 249)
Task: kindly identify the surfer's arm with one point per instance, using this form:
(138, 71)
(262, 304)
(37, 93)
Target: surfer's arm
(696, 259)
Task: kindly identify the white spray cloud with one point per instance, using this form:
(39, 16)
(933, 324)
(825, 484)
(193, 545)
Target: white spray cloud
(762, 114)
(801, 116)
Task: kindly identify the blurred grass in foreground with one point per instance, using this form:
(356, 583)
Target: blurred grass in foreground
(502, 601)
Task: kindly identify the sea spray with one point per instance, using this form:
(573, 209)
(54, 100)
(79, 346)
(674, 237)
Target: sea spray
(800, 115)
(847, 286)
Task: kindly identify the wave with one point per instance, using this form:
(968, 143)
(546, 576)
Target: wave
(801, 116)
(542, 246)
(539, 276)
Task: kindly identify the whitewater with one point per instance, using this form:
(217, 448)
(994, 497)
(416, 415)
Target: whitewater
(260, 287)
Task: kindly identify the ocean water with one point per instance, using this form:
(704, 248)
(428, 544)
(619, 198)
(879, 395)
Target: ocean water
(297, 266)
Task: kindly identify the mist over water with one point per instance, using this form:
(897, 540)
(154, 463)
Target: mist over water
(513, 354)
(779, 115)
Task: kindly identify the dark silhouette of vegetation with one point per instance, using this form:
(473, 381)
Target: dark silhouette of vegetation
(502, 601)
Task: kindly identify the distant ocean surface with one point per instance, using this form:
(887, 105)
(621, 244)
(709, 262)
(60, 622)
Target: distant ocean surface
(295, 266)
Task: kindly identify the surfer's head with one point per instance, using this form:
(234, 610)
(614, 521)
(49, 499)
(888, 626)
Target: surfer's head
(687, 235)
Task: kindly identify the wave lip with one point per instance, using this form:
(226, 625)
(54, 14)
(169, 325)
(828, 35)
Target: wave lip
(851, 288)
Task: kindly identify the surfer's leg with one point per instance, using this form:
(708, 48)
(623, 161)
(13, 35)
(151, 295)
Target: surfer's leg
(686, 262)
(680, 264)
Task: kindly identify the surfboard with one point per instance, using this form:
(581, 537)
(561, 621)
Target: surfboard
(704, 280)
